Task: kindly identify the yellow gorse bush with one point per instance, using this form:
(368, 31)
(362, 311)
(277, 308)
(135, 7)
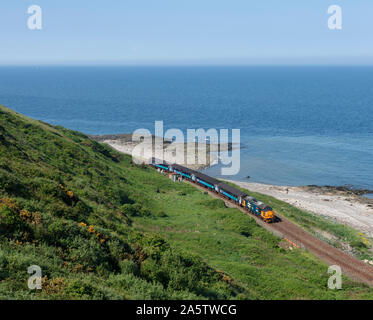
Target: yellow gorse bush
(25, 215)
(101, 237)
(53, 286)
(36, 217)
(10, 203)
(224, 276)
(69, 193)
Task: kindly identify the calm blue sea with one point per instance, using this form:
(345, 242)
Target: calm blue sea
(299, 125)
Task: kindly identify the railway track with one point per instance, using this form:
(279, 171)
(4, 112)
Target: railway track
(350, 266)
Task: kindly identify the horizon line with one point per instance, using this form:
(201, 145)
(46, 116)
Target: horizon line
(185, 65)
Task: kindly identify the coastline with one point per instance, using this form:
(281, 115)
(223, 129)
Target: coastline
(339, 204)
(124, 143)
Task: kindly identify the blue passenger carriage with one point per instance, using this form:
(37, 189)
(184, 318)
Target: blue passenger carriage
(241, 198)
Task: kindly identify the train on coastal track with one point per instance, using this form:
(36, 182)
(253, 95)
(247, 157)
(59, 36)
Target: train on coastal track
(251, 204)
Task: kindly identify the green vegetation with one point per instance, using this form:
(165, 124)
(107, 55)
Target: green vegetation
(101, 227)
(336, 234)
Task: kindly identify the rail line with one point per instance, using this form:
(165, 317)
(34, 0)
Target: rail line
(350, 266)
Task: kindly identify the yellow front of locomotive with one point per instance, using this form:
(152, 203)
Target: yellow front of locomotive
(268, 215)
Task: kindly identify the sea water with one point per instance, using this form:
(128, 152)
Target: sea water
(299, 125)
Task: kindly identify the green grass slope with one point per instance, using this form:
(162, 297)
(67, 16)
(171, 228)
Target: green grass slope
(101, 227)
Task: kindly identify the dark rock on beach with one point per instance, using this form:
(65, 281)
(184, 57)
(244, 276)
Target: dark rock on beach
(343, 190)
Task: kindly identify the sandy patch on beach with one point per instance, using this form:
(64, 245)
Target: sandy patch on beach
(205, 154)
(169, 154)
(348, 210)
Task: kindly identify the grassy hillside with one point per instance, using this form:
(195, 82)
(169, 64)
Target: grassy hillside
(103, 228)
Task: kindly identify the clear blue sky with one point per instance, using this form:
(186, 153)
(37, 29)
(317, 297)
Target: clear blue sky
(186, 32)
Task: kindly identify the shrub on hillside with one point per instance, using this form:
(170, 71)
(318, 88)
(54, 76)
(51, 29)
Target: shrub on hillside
(79, 289)
(11, 223)
(4, 273)
(11, 184)
(61, 233)
(89, 253)
(184, 272)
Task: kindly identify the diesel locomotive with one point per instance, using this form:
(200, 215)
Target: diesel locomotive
(254, 206)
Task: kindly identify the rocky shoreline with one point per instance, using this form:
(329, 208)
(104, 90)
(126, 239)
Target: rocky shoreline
(342, 190)
(341, 204)
(346, 191)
